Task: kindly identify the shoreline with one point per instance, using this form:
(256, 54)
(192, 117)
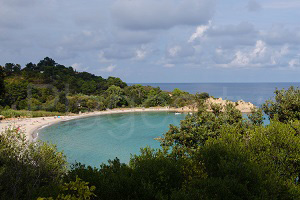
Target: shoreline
(30, 126)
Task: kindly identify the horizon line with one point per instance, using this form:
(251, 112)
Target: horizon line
(202, 82)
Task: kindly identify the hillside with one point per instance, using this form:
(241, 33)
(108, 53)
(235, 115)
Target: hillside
(53, 87)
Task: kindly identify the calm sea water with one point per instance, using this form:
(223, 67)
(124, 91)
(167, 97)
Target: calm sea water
(257, 93)
(94, 140)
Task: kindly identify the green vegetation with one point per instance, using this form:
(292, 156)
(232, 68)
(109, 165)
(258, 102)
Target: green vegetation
(286, 106)
(52, 87)
(211, 155)
(28, 170)
(26, 113)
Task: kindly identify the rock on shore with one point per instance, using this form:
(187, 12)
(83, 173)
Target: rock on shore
(244, 107)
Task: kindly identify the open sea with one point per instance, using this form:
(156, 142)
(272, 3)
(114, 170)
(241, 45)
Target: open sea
(94, 140)
(256, 93)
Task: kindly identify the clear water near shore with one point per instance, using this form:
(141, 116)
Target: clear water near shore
(96, 139)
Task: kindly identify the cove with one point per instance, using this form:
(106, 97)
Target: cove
(97, 139)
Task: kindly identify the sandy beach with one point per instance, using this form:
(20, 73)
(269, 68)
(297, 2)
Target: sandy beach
(30, 125)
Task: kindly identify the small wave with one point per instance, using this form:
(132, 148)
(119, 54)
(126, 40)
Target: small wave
(44, 126)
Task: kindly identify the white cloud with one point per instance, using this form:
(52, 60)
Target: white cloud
(260, 55)
(173, 51)
(199, 32)
(278, 54)
(245, 58)
(240, 59)
(110, 68)
(259, 50)
(140, 54)
(294, 63)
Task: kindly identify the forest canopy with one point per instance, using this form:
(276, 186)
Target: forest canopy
(51, 87)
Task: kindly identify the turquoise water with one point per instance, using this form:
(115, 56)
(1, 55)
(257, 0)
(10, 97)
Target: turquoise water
(96, 139)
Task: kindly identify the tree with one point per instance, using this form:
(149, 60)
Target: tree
(230, 173)
(181, 98)
(16, 68)
(75, 190)
(157, 97)
(202, 96)
(286, 106)
(89, 87)
(177, 92)
(195, 130)
(28, 170)
(46, 62)
(8, 68)
(114, 96)
(115, 81)
(136, 94)
(16, 91)
(30, 67)
(256, 116)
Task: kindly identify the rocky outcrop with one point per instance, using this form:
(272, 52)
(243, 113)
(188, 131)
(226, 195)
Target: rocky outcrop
(244, 107)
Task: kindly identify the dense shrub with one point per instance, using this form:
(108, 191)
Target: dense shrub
(202, 96)
(26, 113)
(286, 106)
(74, 190)
(27, 169)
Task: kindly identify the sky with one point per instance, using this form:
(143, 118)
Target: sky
(147, 41)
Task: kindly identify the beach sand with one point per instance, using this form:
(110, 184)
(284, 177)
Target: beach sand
(30, 125)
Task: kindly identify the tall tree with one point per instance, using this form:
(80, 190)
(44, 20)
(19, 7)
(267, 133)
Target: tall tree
(8, 68)
(46, 62)
(30, 67)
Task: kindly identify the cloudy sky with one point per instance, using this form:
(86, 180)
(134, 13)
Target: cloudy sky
(158, 40)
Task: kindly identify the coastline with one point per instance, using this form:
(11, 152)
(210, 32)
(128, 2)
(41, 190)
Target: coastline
(29, 126)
